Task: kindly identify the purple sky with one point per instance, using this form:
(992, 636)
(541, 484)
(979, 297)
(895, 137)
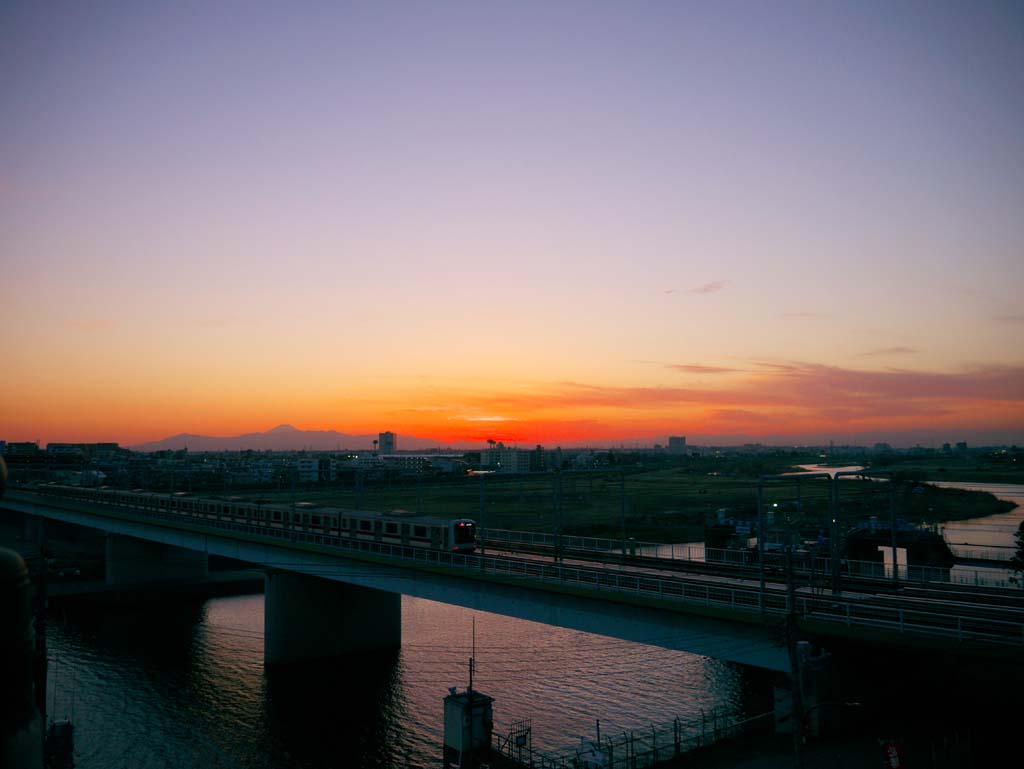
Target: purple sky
(337, 214)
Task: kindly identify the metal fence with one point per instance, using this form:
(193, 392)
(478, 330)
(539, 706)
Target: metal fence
(747, 560)
(643, 748)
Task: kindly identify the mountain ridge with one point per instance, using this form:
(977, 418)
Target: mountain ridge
(286, 437)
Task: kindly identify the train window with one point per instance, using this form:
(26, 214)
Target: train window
(276, 515)
(316, 520)
(364, 526)
(391, 528)
(419, 531)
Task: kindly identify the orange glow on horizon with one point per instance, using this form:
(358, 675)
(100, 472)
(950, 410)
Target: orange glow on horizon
(793, 400)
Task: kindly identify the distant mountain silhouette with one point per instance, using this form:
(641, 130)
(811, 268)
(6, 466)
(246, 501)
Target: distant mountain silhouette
(283, 429)
(288, 438)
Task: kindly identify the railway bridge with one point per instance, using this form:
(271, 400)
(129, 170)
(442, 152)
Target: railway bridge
(327, 595)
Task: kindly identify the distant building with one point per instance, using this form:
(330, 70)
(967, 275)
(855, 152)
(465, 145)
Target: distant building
(328, 468)
(961, 446)
(387, 443)
(677, 444)
(307, 469)
(3, 448)
(64, 448)
(584, 460)
(409, 463)
(24, 448)
(502, 459)
(538, 462)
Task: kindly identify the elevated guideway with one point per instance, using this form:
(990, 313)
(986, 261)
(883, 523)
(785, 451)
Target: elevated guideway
(706, 614)
(675, 617)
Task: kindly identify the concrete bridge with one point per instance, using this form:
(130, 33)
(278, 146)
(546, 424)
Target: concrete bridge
(327, 595)
(322, 600)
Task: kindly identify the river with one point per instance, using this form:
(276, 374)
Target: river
(183, 685)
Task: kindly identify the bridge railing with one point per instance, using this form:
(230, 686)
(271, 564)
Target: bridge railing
(746, 560)
(824, 608)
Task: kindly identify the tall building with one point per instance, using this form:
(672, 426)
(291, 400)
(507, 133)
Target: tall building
(499, 458)
(677, 444)
(307, 469)
(387, 443)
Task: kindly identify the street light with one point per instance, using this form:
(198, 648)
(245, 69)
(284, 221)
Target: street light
(797, 477)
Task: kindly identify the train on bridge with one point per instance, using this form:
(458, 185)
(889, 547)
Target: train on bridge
(398, 527)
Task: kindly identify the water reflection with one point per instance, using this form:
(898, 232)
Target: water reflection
(348, 711)
(182, 684)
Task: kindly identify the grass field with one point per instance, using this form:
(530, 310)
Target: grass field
(989, 467)
(662, 504)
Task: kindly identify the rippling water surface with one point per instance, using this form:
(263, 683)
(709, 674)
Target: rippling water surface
(183, 685)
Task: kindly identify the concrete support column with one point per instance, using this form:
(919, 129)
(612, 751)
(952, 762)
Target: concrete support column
(822, 708)
(133, 561)
(35, 530)
(309, 618)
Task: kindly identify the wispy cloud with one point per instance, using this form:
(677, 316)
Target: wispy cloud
(710, 288)
(888, 351)
(786, 397)
(1013, 318)
(696, 368)
(687, 368)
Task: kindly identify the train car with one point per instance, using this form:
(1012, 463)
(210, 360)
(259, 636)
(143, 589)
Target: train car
(398, 527)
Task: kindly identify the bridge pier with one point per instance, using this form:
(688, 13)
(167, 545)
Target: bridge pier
(132, 561)
(35, 530)
(309, 618)
(822, 708)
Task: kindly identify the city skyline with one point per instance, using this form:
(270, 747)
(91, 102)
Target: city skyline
(578, 223)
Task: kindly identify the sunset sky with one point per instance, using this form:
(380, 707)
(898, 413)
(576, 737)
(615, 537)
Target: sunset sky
(541, 222)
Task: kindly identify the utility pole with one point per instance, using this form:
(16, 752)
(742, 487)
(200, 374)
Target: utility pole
(760, 545)
(40, 661)
(622, 510)
(892, 533)
(558, 515)
(483, 506)
(794, 664)
(834, 510)
(469, 696)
